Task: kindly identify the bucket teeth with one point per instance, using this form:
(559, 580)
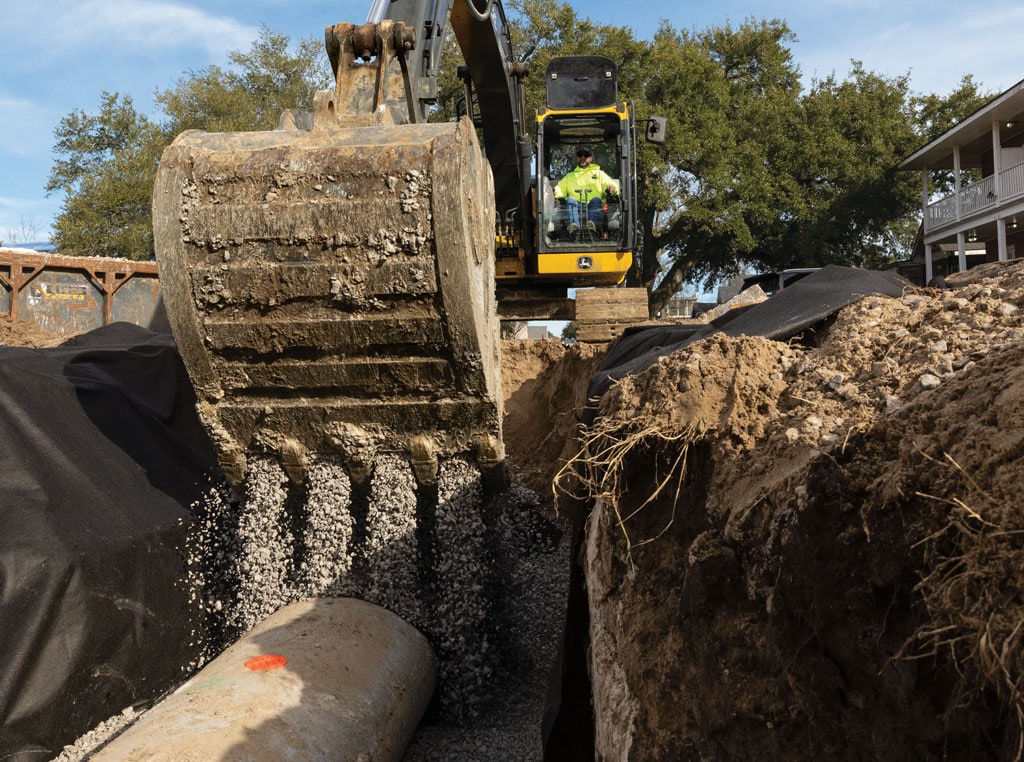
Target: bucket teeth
(489, 450)
(490, 455)
(360, 469)
(424, 460)
(293, 458)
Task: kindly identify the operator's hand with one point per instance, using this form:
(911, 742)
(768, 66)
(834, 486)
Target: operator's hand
(612, 192)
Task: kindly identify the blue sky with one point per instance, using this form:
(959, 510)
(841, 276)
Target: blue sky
(60, 55)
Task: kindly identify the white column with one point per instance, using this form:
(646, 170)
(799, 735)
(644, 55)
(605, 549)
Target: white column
(961, 251)
(1001, 238)
(997, 164)
(927, 263)
(956, 178)
(924, 199)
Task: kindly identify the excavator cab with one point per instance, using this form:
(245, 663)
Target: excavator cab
(597, 218)
(584, 232)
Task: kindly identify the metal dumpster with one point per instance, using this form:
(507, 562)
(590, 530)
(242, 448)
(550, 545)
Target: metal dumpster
(71, 295)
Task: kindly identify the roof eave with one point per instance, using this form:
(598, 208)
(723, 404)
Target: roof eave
(939, 152)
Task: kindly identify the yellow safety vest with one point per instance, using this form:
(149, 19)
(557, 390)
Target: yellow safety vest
(592, 180)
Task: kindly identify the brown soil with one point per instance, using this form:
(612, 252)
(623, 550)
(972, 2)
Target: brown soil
(24, 333)
(814, 551)
(544, 385)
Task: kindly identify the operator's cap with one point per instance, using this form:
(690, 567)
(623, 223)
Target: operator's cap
(584, 151)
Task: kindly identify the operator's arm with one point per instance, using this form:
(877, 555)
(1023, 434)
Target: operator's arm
(562, 188)
(611, 185)
(568, 187)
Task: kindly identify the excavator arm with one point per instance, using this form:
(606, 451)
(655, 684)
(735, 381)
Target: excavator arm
(483, 35)
(331, 284)
(331, 289)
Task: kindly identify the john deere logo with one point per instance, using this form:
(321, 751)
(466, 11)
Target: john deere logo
(585, 263)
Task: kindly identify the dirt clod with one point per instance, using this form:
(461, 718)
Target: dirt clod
(25, 333)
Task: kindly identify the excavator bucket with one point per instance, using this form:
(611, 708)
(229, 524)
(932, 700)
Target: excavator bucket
(331, 290)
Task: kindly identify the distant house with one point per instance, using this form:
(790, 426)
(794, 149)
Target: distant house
(679, 307)
(537, 332)
(945, 259)
(988, 212)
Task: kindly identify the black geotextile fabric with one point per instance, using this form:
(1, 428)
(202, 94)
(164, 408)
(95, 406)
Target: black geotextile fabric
(101, 454)
(788, 313)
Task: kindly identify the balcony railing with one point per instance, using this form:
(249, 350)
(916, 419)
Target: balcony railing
(975, 198)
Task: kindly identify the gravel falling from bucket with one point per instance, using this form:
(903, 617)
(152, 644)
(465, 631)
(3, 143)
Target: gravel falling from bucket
(420, 552)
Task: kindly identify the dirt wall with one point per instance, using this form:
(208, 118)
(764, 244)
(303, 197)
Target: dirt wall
(544, 385)
(813, 551)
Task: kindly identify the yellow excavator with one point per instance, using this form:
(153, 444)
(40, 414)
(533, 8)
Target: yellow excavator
(335, 285)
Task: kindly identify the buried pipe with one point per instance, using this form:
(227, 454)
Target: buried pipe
(325, 679)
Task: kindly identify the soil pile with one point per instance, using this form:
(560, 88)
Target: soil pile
(25, 333)
(813, 550)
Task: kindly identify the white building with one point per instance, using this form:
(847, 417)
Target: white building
(988, 212)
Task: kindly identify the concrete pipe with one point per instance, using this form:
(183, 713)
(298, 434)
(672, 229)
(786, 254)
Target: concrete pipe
(326, 679)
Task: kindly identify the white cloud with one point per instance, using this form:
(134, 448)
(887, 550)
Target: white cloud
(149, 25)
(937, 49)
(29, 206)
(9, 204)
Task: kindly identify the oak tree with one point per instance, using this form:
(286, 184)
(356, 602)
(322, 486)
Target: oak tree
(106, 162)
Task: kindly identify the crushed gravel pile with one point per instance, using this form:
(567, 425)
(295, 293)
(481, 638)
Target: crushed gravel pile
(437, 571)
(490, 601)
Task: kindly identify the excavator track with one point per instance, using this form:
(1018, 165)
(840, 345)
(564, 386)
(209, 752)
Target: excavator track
(331, 291)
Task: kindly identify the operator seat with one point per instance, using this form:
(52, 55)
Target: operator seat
(552, 211)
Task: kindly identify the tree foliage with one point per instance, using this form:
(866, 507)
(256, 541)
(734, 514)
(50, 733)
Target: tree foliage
(106, 172)
(761, 172)
(252, 93)
(106, 162)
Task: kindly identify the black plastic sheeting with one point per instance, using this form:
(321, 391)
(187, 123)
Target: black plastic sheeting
(802, 307)
(101, 453)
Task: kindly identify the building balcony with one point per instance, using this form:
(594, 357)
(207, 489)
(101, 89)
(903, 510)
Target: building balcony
(977, 202)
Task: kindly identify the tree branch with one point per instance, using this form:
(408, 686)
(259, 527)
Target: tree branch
(674, 233)
(672, 282)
